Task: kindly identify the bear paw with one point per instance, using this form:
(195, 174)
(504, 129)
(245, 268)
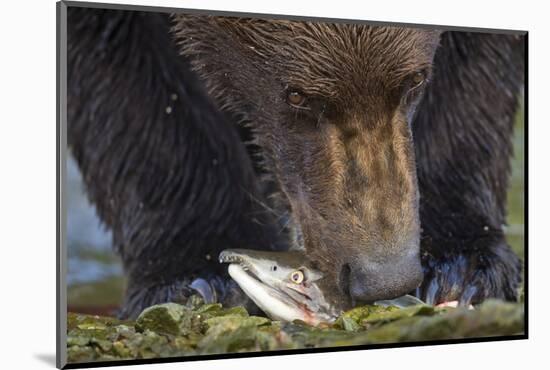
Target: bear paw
(471, 276)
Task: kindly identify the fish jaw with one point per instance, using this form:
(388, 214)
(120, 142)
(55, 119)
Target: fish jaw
(272, 302)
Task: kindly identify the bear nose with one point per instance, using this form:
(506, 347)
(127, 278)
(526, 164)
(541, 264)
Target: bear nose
(368, 281)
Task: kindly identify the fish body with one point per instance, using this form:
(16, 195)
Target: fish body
(285, 285)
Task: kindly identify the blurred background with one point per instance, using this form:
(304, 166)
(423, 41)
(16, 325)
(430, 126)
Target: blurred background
(95, 281)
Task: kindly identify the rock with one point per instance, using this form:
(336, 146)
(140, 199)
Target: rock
(349, 324)
(175, 330)
(162, 318)
(393, 315)
(492, 318)
(352, 320)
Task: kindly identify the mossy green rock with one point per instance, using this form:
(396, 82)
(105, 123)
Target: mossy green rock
(396, 314)
(492, 318)
(352, 320)
(163, 318)
(235, 333)
(176, 330)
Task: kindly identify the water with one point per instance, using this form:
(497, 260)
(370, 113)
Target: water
(91, 262)
(516, 194)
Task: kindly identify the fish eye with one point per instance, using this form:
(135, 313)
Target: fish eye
(297, 277)
(274, 268)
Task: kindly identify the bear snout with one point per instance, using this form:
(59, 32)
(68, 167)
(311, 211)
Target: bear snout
(367, 281)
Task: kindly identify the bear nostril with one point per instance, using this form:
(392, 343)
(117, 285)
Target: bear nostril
(370, 282)
(344, 279)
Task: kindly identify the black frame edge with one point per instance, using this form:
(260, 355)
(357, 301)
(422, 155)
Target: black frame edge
(162, 9)
(61, 288)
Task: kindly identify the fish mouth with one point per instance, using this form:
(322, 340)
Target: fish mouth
(234, 256)
(276, 301)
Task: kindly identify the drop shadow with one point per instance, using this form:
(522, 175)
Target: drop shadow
(47, 358)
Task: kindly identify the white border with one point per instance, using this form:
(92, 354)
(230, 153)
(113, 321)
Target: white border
(28, 204)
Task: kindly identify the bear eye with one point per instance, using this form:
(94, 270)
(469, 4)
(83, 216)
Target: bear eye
(296, 99)
(418, 79)
(413, 86)
(297, 277)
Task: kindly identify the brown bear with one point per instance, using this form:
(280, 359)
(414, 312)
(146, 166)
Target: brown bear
(383, 152)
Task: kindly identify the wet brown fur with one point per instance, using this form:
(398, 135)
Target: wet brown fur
(346, 165)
